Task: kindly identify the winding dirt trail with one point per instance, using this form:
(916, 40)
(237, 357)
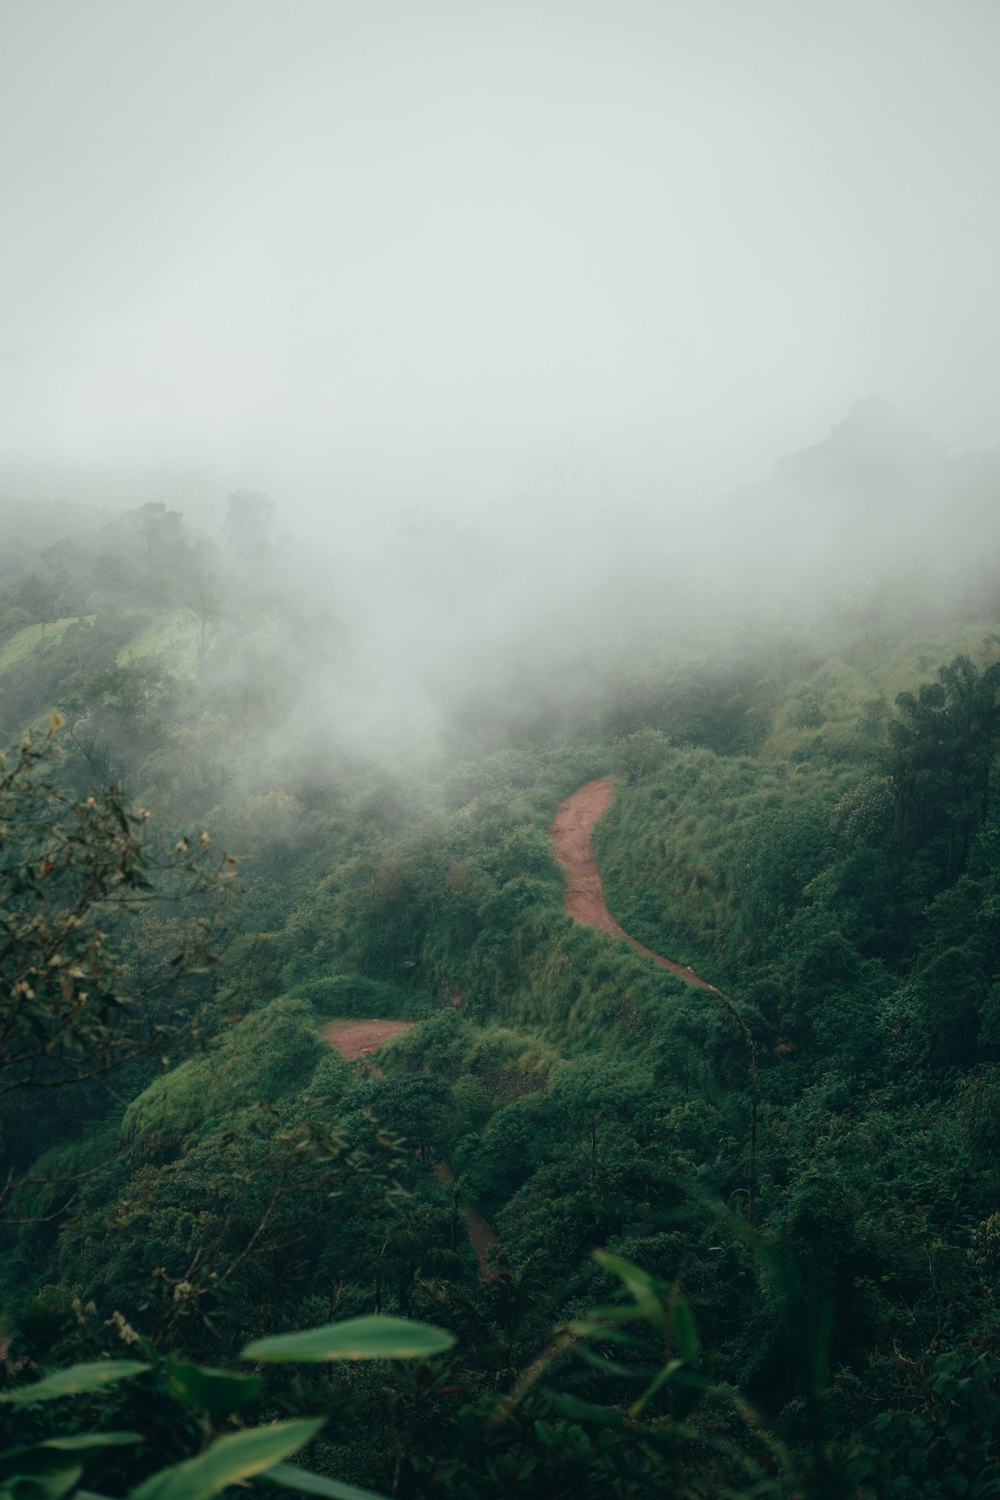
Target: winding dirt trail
(570, 834)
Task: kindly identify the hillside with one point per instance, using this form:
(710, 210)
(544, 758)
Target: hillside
(797, 1154)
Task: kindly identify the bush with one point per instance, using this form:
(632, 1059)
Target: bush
(348, 997)
(265, 1057)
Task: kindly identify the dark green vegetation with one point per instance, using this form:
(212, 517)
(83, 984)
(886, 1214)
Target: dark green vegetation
(795, 1178)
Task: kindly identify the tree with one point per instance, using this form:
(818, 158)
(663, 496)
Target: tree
(943, 746)
(421, 1108)
(121, 719)
(70, 870)
(200, 588)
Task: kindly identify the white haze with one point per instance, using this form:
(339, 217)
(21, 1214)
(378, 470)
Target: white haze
(554, 257)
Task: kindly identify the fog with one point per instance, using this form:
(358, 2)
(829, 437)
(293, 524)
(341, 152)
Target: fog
(485, 260)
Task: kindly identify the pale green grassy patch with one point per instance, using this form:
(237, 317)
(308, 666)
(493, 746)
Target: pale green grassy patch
(174, 632)
(34, 638)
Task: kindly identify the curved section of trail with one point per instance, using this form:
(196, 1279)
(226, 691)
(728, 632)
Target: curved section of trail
(570, 834)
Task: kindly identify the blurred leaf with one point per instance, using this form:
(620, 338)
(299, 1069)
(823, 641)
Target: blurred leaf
(51, 1469)
(620, 1312)
(685, 1332)
(647, 1291)
(44, 1484)
(658, 1381)
(291, 1478)
(239, 1456)
(818, 1349)
(586, 1329)
(585, 1411)
(76, 1381)
(687, 1389)
(608, 1366)
(41, 1476)
(214, 1391)
(372, 1337)
(77, 1444)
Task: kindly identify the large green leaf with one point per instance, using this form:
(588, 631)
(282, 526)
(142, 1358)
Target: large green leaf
(60, 1451)
(83, 1440)
(38, 1475)
(587, 1328)
(239, 1456)
(79, 1443)
(214, 1391)
(372, 1337)
(52, 1468)
(585, 1411)
(42, 1482)
(76, 1381)
(291, 1478)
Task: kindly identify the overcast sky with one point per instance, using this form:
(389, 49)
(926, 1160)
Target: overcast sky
(365, 255)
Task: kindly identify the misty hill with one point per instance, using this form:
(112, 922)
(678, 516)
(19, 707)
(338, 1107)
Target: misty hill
(874, 507)
(805, 810)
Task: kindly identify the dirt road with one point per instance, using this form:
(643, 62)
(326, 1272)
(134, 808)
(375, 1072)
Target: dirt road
(570, 834)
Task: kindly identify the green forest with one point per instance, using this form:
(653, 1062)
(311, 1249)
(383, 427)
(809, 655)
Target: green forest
(738, 1239)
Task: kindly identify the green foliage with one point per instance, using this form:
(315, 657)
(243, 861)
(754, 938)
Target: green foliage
(419, 1107)
(947, 1445)
(261, 1059)
(25, 643)
(231, 1459)
(213, 1391)
(75, 1381)
(376, 1337)
(53, 1466)
(803, 1160)
(51, 1469)
(70, 870)
(355, 997)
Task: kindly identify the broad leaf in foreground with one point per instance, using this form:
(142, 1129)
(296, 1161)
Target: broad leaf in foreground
(291, 1478)
(239, 1456)
(372, 1337)
(78, 1380)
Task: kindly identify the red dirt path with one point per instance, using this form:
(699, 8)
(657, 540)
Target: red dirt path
(570, 834)
(584, 900)
(354, 1039)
